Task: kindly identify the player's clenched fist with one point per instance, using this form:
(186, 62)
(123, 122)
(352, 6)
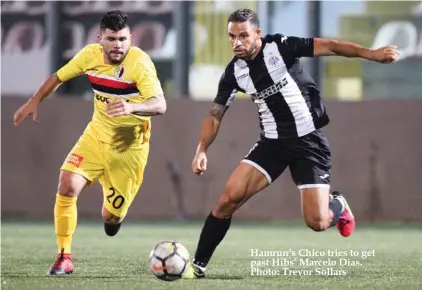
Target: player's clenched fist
(386, 54)
(29, 108)
(199, 164)
(119, 108)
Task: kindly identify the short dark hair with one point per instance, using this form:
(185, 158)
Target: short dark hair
(243, 15)
(114, 20)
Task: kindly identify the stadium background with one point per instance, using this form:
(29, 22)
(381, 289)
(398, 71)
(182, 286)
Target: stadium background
(375, 134)
(376, 110)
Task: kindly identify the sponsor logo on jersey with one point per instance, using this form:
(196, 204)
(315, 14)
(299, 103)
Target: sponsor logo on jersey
(118, 73)
(103, 99)
(273, 60)
(75, 159)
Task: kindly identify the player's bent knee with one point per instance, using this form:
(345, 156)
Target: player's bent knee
(229, 202)
(113, 220)
(71, 184)
(110, 218)
(317, 224)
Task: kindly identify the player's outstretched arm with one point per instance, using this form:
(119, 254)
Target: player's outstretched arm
(31, 106)
(327, 47)
(47, 88)
(75, 67)
(210, 127)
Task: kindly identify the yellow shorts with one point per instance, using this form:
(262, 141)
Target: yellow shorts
(119, 173)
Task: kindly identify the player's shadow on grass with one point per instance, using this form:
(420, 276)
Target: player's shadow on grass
(224, 277)
(114, 278)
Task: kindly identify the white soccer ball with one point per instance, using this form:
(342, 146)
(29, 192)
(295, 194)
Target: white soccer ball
(169, 260)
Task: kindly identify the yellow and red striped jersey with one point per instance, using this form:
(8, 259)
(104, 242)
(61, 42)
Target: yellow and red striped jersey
(134, 80)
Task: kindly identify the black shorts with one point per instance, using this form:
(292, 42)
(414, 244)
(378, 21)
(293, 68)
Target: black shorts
(308, 158)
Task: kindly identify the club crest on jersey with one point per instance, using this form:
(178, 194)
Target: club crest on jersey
(273, 60)
(118, 73)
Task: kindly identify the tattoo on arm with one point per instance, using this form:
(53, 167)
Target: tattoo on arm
(218, 111)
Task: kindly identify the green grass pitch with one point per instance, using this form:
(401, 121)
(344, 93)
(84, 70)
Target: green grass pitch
(121, 262)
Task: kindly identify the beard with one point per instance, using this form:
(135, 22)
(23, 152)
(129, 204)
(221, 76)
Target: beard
(114, 60)
(249, 52)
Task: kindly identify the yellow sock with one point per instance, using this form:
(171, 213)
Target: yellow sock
(65, 217)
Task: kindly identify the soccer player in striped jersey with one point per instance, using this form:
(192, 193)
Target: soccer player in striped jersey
(291, 113)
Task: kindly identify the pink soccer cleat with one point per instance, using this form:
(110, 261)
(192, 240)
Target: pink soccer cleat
(346, 223)
(63, 265)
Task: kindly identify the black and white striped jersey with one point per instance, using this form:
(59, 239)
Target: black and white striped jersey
(288, 100)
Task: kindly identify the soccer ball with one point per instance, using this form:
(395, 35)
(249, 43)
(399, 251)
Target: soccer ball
(168, 260)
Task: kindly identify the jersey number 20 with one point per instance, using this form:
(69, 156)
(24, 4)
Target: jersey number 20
(117, 201)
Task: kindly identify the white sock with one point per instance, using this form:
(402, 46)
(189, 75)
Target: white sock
(343, 203)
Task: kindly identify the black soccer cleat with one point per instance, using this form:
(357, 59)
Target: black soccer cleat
(111, 229)
(199, 269)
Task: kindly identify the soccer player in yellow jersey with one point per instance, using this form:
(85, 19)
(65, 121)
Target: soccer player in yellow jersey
(114, 147)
